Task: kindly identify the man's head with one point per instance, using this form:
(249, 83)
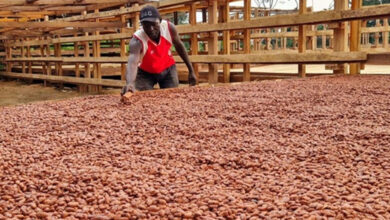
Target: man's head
(150, 19)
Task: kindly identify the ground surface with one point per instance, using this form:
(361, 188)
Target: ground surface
(14, 93)
(302, 148)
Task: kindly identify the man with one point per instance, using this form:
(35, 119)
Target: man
(150, 46)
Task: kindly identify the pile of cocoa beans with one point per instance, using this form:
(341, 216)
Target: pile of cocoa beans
(312, 148)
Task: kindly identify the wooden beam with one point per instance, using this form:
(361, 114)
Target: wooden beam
(291, 20)
(66, 79)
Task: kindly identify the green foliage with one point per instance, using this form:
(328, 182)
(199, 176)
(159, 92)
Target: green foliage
(375, 2)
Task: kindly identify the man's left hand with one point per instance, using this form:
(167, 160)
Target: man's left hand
(192, 80)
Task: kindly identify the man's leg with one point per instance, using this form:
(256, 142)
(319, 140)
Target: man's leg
(169, 78)
(144, 81)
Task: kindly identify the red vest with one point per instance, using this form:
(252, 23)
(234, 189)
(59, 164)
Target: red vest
(155, 58)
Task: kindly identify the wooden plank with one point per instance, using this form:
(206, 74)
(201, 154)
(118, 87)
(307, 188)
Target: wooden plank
(302, 38)
(378, 59)
(66, 79)
(126, 35)
(167, 3)
(57, 24)
(355, 37)
(62, 2)
(112, 13)
(291, 20)
(374, 29)
(85, 59)
(271, 58)
(285, 58)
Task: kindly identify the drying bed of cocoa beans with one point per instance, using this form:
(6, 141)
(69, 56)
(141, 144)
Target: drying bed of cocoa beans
(312, 148)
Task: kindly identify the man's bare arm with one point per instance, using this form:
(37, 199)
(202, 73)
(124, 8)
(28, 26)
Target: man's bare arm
(181, 50)
(132, 65)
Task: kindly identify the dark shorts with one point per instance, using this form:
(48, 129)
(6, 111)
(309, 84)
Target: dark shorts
(166, 79)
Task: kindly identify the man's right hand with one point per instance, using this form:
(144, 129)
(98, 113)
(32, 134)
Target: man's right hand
(128, 88)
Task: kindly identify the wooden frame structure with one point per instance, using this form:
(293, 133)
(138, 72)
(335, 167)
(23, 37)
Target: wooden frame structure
(70, 41)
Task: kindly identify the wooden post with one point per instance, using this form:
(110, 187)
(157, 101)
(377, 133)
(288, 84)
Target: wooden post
(9, 56)
(87, 67)
(284, 39)
(29, 64)
(302, 38)
(123, 48)
(44, 68)
(268, 40)
(226, 42)
(97, 74)
(59, 71)
(77, 65)
(194, 38)
(136, 19)
(47, 46)
(340, 36)
(175, 18)
(355, 37)
(377, 24)
(48, 54)
(385, 35)
(204, 15)
(23, 53)
(323, 41)
(213, 41)
(247, 40)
